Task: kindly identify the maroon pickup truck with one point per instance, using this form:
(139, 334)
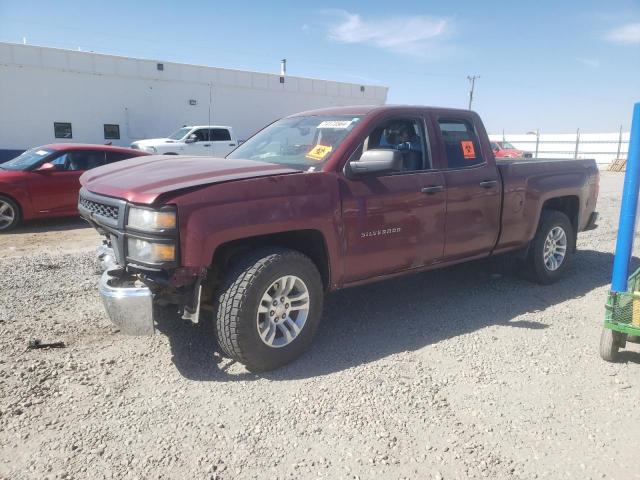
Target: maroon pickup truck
(316, 202)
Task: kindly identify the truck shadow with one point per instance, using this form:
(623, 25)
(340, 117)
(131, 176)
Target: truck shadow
(364, 324)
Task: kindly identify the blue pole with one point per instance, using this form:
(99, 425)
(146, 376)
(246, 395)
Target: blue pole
(626, 227)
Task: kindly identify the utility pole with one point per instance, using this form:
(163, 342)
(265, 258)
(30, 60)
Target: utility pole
(472, 79)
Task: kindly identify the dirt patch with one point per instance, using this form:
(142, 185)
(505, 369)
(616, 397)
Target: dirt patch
(49, 236)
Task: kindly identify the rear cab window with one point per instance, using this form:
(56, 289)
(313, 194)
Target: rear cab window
(461, 144)
(220, 135)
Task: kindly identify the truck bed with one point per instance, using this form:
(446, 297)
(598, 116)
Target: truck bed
(529, 183)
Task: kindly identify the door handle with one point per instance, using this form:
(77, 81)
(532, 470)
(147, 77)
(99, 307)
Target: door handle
(432, 189)
(489, 183)
(232, 144)
(207, 145)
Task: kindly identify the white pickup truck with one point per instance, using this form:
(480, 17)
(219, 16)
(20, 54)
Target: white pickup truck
(208, 140)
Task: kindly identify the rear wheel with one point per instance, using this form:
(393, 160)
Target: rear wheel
(551, 249)
(269, 308)
(9, 214)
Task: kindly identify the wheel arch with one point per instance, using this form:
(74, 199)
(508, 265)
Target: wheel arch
(14, 200)
(570, 206)
(308, 242)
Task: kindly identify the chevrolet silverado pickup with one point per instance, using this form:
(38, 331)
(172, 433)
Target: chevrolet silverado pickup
(316, 202)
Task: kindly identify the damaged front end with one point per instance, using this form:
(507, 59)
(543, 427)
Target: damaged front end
(141, 275)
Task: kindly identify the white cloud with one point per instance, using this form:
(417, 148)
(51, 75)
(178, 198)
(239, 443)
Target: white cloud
(628, 34)
(589, 62)
(411, 34)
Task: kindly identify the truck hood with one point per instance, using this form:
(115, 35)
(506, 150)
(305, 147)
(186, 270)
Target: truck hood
(144, 179)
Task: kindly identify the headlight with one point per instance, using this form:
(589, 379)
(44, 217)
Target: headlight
(151, 149)
(151, 220)
(150, 252)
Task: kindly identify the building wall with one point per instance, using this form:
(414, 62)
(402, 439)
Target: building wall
(40, 86)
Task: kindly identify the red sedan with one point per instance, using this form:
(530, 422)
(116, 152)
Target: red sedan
(506, 150)
(43, 182)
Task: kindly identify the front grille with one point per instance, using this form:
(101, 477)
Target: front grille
(106, 211)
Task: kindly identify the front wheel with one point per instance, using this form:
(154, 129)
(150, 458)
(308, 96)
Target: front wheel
(9, 214)
(551, 249)
(269, 308)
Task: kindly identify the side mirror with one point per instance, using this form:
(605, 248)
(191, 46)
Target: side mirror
(373, 162)
(191, 139)
(47, 167)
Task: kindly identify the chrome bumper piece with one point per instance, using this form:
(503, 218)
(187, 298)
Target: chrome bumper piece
(128, 304)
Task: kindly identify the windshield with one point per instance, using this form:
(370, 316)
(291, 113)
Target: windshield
(301, 142)
(178, 134)
(27, 160)
(507, 145)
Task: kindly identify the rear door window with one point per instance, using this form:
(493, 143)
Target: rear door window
(220, 135)
(461, 144)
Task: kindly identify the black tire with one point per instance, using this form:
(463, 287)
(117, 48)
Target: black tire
(535, 268)
(610, 343)
(6, 202)
(235, 319)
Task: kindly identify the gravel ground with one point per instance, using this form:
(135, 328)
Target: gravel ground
(461, 373)
(50, 236)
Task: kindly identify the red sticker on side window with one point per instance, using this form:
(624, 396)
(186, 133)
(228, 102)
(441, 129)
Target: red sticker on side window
(468, 150)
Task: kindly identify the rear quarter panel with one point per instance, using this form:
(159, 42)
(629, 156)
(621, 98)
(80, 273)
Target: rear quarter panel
(529, 184)
(214, 215)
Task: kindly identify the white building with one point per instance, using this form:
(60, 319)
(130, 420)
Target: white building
(90, 94)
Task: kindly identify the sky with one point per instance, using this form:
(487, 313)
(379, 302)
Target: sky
(548, 65)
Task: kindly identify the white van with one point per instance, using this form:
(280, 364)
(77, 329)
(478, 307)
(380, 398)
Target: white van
(208, 140)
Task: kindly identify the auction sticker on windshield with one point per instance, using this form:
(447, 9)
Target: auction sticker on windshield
(319, 152)
(341, 124)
